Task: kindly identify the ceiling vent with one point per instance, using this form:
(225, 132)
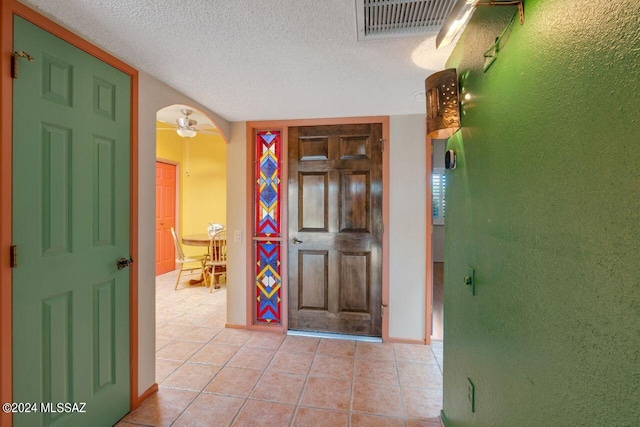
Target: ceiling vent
(379, 19)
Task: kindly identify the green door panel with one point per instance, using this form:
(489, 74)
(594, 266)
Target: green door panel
(71, 138)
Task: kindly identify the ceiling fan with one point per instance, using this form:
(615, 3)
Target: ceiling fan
(188, 128)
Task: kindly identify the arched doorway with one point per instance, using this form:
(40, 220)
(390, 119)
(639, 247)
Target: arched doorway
(190, 195)
(190, 179)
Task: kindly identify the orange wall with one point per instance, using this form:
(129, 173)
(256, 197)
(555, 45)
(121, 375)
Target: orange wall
(203, 191)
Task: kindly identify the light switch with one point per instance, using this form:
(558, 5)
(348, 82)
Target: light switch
(237, 236)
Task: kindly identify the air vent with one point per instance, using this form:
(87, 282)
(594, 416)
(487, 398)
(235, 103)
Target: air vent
(400, 18)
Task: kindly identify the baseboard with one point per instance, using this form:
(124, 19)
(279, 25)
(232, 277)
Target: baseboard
(444, 422)
(149, 392)
(273, 329)
(260, 328)
(234, 326)
(405, 341)
(334, 336)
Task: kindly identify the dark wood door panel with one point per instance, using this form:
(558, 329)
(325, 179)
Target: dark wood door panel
(346, 323)
(313, 201)
(355, 275)
(354, 202)
(313, 148)
(356, 147)
(313, 280)
(335, 211)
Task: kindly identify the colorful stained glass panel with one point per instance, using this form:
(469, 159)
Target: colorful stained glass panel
(268, 282)
(268, 170)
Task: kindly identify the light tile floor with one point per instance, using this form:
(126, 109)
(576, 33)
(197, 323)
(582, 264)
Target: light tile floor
(212, 376)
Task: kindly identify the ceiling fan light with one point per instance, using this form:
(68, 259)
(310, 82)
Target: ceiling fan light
(185, 122)
(187, 133)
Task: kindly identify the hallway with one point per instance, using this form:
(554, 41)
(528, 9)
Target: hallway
(212, 376)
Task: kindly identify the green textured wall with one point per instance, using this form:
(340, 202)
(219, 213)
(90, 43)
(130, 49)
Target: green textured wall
(545, 205)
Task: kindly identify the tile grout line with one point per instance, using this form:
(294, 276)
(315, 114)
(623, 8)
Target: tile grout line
(186, 360)
(211, 307)
(257, 382)
(353, 384)
(404, 406)
(226, 395)
(189, 326)
(437, 360)
(200, 392)
(304, 386)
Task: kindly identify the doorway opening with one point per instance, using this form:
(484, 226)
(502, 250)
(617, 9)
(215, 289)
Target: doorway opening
(438, 186)
(190, 195)
(190, 183)
(287, 239)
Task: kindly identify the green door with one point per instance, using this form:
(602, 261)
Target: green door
(71, 137)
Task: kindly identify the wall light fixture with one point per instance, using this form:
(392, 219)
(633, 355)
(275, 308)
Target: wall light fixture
(443, 104)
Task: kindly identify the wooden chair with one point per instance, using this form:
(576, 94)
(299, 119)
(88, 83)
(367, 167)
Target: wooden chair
(217, 264)
(182, 259)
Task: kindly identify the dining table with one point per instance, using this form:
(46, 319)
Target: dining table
(200, 239)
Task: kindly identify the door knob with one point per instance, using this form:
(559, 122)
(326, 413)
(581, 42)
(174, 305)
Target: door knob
(296, 241)
(162, 223)
(124, 263)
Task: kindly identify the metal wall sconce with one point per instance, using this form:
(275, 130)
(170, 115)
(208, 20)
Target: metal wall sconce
(461, 14)
(443, 104)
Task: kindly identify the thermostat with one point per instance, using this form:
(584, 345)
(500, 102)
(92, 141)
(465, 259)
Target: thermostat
(450, 159)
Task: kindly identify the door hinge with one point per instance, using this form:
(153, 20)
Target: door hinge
(13, 256)
(382, 141)
(382, 307)
(14, 64)
(383, 228)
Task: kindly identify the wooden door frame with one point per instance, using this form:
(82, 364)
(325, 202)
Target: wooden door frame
(428, 309)
(9, 9)
(177, 201)
(283, 126)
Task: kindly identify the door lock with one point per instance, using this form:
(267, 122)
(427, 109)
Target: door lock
(470, 280)
(124, 263)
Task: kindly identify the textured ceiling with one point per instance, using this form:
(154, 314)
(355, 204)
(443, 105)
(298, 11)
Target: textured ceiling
(259, 59)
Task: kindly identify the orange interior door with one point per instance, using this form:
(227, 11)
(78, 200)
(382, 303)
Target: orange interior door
(165, 216)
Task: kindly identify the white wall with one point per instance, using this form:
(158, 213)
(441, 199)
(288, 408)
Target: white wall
(438, 230)
(237, 262)
(153, 95)
(407, 230)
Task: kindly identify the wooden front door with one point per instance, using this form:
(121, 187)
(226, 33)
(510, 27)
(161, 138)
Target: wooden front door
(335, 228)
(71, 169)
(165, 217)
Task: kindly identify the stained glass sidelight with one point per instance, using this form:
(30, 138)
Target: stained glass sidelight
(267, 200)
(268, 282)
(268, 184)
